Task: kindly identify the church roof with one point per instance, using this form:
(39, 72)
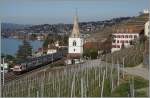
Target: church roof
(75, 31)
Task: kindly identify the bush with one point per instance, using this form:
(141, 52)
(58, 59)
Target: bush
(92, 53)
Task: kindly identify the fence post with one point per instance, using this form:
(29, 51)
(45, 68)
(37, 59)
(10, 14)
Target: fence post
(118, 66)
(81, 87)
(123, 67)
(103, 84)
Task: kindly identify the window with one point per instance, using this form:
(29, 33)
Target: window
(113, 46)
(114, 41)
(135, 36)
(122, 41)
(114, 36)
(74, 43)
(130, 36)
(117, 41)
(122, 36)
(118, 36)
(74, 50)
(118, 46)
(126, 36)
(126, 41)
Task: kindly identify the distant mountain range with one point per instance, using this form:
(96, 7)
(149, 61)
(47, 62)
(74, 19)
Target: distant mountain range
(12, 26)
(60, 29)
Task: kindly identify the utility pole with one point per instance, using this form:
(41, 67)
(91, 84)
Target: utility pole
(3, 72)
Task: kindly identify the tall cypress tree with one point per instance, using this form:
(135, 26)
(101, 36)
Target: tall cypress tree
(24, 51)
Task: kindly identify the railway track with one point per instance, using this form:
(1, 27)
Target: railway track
(10, 76)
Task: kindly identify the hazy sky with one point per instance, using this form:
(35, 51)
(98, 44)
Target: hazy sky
(62, 11)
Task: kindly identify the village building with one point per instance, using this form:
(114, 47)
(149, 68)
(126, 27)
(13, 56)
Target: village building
(51, 49)
(123, 37)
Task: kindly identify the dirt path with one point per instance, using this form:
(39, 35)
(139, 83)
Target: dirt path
(138, 71)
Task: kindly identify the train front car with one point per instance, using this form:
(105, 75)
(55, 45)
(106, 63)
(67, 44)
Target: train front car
(19, 68)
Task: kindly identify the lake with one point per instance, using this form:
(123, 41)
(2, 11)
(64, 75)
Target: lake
(10, 45)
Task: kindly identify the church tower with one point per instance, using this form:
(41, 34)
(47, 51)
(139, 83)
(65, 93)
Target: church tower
(75, 50)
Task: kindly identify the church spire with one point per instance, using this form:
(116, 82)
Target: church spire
(75, 31)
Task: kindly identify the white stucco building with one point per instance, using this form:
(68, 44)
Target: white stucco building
(51, 49)
(75, 48)
(146, 30)
(123, 39)
(145, 11)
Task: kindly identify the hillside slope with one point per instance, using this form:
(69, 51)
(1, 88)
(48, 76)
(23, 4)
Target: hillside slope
(137, 21)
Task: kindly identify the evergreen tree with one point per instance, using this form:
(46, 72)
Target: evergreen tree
(24, 51)
(92, 52)
(47, 41)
